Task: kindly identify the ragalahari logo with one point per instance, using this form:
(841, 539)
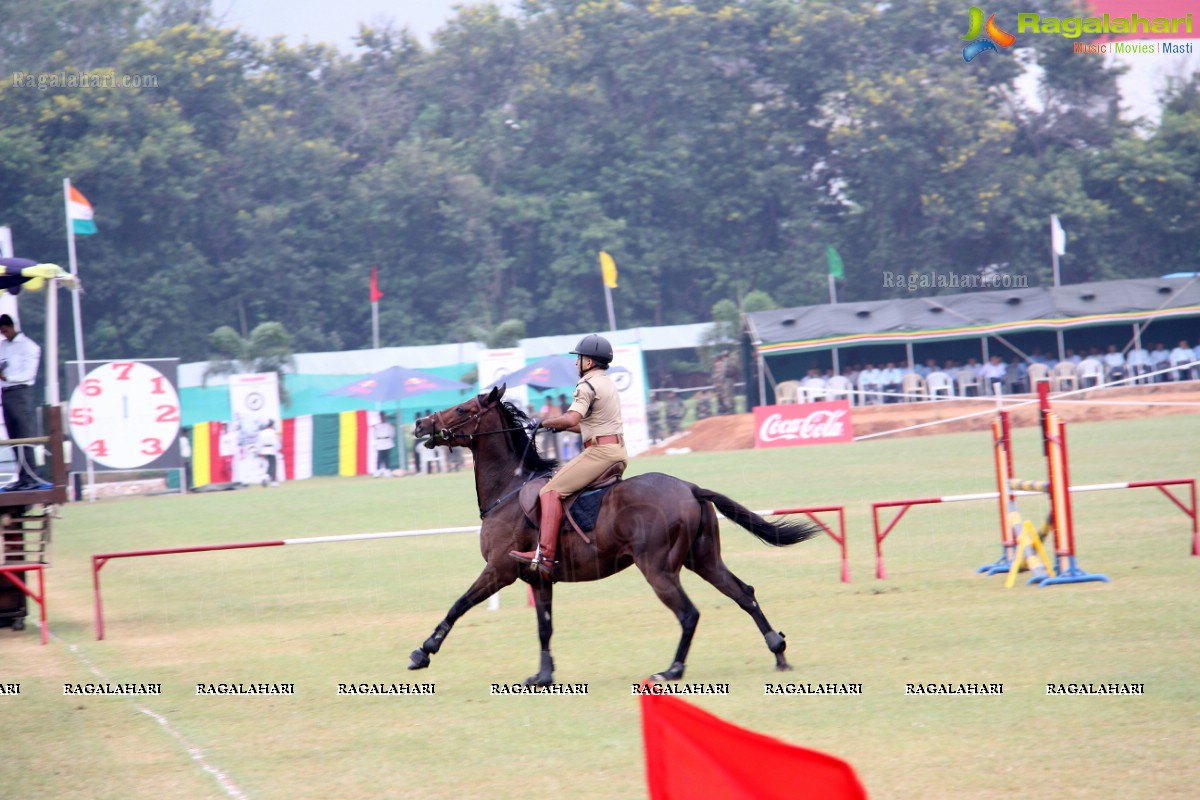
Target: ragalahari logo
(994, 37)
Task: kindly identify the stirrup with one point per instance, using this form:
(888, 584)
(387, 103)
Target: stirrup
(537, 561)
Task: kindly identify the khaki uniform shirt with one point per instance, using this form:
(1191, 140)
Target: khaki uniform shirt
(599, 404)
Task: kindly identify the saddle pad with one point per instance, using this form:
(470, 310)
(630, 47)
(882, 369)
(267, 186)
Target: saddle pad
(586, 508)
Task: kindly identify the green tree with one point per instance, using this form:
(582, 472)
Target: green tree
(268, 348)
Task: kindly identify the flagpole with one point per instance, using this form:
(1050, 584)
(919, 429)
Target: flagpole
(612, 320)
(77, 312)
(1054, 249)
(375, 324)
(832, 289)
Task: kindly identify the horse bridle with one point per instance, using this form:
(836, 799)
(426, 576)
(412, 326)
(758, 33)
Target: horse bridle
(447, 432)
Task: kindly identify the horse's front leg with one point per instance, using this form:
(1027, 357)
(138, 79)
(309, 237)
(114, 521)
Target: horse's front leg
(488, 583)
(543, 593)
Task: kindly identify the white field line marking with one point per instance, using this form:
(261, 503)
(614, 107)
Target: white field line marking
(227, 785)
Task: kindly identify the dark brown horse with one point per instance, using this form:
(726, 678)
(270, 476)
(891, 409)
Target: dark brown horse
(657, 522)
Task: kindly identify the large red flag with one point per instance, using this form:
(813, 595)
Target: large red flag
(693, 755)
(375, 293)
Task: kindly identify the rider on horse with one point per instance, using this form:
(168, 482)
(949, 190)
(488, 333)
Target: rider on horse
(595, 413)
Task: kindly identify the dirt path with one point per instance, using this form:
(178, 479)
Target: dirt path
(737, 432)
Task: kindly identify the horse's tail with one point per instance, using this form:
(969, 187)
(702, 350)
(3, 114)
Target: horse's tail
(775, 533)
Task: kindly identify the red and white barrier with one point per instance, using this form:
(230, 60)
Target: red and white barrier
(100, 559)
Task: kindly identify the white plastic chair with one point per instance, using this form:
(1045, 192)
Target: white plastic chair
(814, 389)
(1038, 372)
(967, 379)
(1064, 376)
(787, 392)
(1089, 373)
(939, 383)
(913, 386)
(839, 387)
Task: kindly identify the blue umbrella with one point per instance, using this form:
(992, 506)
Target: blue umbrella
(551, 372)
(397, 383)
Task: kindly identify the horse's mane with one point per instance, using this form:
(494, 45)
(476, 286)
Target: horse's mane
(519, 423)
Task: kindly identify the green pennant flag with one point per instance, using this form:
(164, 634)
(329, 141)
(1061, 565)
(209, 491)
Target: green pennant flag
(835, 262)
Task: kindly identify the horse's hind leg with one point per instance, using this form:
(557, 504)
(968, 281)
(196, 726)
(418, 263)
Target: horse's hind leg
(669, 590)
(707, 563)
(488, 583)
(543, 593)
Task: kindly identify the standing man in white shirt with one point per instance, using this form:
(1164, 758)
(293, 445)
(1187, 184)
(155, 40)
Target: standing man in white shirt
(20, 357)
(268, 449)
(385, 439)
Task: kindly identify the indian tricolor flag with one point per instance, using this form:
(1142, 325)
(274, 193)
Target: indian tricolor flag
(79, 210)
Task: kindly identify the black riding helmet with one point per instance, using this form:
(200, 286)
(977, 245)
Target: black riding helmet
(594, 347)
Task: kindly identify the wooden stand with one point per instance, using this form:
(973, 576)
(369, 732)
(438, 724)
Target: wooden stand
(25, 523)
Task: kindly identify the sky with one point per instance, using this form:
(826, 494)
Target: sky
(336, 22)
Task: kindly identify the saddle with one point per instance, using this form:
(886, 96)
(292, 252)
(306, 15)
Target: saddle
(580, 509)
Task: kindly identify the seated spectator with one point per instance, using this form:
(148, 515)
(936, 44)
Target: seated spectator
(1138, 363)
(891, 378)
(1160, 360)
(1072, 356)
(991, 376)
(1036, 356)
(1180, 357)
(870, 382)
(1016, 377)
(1114, 364)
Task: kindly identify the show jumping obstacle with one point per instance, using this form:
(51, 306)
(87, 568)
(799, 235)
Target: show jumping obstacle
(1057, 487)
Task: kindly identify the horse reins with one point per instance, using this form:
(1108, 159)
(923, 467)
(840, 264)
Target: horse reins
(446, 433)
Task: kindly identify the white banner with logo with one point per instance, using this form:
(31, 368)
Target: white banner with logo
(495, 365)
(807, 423)
(628, 373)
(253, 399)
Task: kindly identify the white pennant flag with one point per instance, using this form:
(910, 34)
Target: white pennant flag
(1058, 237)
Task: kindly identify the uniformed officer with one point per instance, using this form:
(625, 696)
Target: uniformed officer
(675, 413)
(595, 413)
(724, 374)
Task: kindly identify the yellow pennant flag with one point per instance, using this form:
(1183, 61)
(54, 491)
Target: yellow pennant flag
(608, 268)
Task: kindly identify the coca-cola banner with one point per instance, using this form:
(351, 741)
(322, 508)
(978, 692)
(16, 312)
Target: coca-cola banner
(810, 423)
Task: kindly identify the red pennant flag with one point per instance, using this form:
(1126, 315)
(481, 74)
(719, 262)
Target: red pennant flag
(693, 755)
(375, 293)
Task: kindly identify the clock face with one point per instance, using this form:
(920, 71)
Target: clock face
(124, 414)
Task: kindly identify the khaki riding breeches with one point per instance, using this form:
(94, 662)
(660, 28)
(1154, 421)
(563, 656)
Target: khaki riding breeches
(577, 473)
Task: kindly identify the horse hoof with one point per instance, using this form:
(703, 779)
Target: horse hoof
(418, 659)
(785, 667)
(673, 674)
(538, 680)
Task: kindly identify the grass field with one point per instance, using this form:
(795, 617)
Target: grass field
(321, 615)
